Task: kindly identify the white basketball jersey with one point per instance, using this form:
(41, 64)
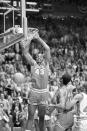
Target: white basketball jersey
(83, 105)
(81, 121)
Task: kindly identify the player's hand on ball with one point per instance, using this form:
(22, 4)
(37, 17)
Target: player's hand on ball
(31, 37)
(36, 35)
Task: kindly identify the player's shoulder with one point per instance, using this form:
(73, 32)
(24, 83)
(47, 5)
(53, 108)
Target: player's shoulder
(34, 64)
(79, 96)
(83, 95)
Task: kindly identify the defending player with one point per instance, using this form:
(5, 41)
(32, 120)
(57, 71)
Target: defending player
(65, 106)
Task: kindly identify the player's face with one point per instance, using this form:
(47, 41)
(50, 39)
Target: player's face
(39, 58)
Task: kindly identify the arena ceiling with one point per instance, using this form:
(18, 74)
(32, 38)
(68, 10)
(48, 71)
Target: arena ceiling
(80, 6)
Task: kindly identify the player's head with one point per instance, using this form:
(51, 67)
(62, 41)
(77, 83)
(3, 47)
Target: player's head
(39, 58)
(66, 78)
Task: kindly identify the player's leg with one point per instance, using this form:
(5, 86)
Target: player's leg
(42, 110)
(33, 98)
(41, 123)
(30, 121)
(48, 125)
(36, 123)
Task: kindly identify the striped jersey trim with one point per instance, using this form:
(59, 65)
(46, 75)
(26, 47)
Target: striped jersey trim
(39, 90)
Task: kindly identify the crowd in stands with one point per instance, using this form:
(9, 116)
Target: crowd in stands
(68, 53)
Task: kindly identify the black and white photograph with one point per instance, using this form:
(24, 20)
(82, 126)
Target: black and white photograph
(43, 65)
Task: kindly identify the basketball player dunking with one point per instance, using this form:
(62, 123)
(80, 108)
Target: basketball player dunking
(39, 70)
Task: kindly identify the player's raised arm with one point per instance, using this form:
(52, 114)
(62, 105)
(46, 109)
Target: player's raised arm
(43, 43)
(25, 44)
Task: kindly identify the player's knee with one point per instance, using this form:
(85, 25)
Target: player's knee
(31, 112)
(31, 117)
(41, 118)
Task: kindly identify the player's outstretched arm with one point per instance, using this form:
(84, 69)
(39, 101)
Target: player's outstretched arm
(43, 43)
(25, 50)
(47, 49)
(77, 98)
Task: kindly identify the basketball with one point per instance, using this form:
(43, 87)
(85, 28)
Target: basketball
(19, 78)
